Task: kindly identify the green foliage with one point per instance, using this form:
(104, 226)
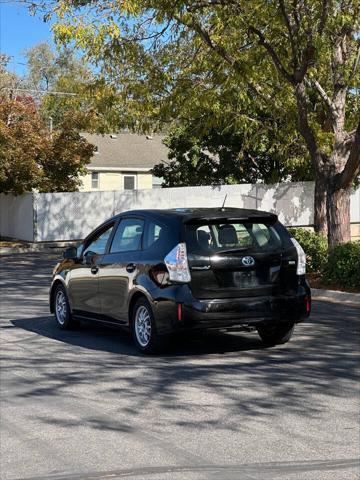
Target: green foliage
(170, 60)
(41, 62)
(343, 265)
(315, 247)
(60, 72)
(200, 156)
(45, 67)
(32, 158)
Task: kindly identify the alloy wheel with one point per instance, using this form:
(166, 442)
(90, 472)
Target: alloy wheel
(61, 307)
(143, 326)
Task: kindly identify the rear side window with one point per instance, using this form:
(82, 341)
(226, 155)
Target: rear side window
(128, 236)
(152, 234)
(160, 238)
(217, 237)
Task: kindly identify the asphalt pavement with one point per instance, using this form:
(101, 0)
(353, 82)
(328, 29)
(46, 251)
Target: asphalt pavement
(85, 404)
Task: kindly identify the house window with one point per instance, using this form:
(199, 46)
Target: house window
(129, 182)
(94, 180)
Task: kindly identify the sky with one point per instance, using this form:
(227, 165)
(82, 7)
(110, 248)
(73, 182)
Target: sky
(20, 31)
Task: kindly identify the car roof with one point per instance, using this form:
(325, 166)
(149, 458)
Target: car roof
(189, 214)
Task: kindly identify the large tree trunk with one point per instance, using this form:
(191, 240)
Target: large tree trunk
(318, 160)
(338, 212)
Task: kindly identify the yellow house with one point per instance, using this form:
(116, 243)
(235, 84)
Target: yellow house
(123, 162)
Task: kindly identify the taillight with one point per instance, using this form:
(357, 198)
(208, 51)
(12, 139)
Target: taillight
(177, 264)
(301, 260)
(308, 304)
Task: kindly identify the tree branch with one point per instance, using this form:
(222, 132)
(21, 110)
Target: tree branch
(205, 36)
(303, 124)
(324, 14)
(209, 3)
(355, 64)
(214, 46)
(352, 167)
(322, 94)
(290, 31)
(306, 61)
(296, 14)
(276, 60)
(325, 98)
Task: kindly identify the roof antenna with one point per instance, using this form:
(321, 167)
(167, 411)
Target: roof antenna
(223, 205)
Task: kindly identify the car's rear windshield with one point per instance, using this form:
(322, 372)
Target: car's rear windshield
(216, 237)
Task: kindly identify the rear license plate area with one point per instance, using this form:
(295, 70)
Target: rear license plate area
(245, 279)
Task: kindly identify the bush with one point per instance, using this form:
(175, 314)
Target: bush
(315, 247)
(343, 265)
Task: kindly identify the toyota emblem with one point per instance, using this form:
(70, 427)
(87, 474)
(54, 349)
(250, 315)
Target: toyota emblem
(248, 261)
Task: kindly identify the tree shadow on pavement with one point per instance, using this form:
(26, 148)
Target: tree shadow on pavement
(229, 369)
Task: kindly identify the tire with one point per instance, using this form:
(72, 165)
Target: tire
(62, 312)
(277, 334)
(143, 328)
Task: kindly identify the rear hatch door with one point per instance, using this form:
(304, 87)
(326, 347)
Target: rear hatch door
(231, 258)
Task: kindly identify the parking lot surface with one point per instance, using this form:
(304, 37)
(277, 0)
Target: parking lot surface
(85, 404)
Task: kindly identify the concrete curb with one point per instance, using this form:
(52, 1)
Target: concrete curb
(335, 296)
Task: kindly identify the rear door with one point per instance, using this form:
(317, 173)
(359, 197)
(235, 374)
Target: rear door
(234, 259)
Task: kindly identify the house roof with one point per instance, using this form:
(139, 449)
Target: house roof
(126, 151)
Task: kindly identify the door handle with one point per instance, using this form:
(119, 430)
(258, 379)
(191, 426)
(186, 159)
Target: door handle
(94, 269)
(130, 267)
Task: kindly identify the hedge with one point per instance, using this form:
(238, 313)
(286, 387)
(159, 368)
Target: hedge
(343, 265)
(315, 247)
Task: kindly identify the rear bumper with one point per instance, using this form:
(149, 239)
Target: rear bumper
(234, 312)
(247, 312)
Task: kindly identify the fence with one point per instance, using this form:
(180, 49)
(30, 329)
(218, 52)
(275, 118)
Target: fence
(41, 217)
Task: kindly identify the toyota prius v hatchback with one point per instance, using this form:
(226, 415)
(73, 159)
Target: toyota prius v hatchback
(158, 272)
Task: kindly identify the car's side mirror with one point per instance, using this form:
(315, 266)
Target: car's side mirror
(89, 257)
(70, 253)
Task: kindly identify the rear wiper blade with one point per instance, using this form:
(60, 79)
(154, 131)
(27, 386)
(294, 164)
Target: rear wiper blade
(233, 250)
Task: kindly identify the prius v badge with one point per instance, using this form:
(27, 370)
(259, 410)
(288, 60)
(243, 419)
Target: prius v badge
(248, 261)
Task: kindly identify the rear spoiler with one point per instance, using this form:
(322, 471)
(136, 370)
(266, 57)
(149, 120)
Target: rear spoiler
(269, 218)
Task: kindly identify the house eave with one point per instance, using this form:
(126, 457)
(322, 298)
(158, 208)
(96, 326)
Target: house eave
(92, 168)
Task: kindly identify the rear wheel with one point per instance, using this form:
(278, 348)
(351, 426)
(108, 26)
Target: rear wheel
(276, 334)
(62, 311)
(144, 328)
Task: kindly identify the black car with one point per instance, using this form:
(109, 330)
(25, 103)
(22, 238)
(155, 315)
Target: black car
(157, 272)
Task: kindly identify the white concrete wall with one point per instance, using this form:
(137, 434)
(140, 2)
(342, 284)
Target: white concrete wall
(67, 216)
(71, 216)
(16, 216)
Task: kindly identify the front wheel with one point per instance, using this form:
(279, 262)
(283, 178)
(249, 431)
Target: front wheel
(144, 328)
(62, 309)
(276, 334)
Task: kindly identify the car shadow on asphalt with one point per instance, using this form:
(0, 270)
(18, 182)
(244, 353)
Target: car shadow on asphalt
(95, 336)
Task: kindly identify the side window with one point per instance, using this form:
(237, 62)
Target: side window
(98, 243)
(153, 233)
(128, 235)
